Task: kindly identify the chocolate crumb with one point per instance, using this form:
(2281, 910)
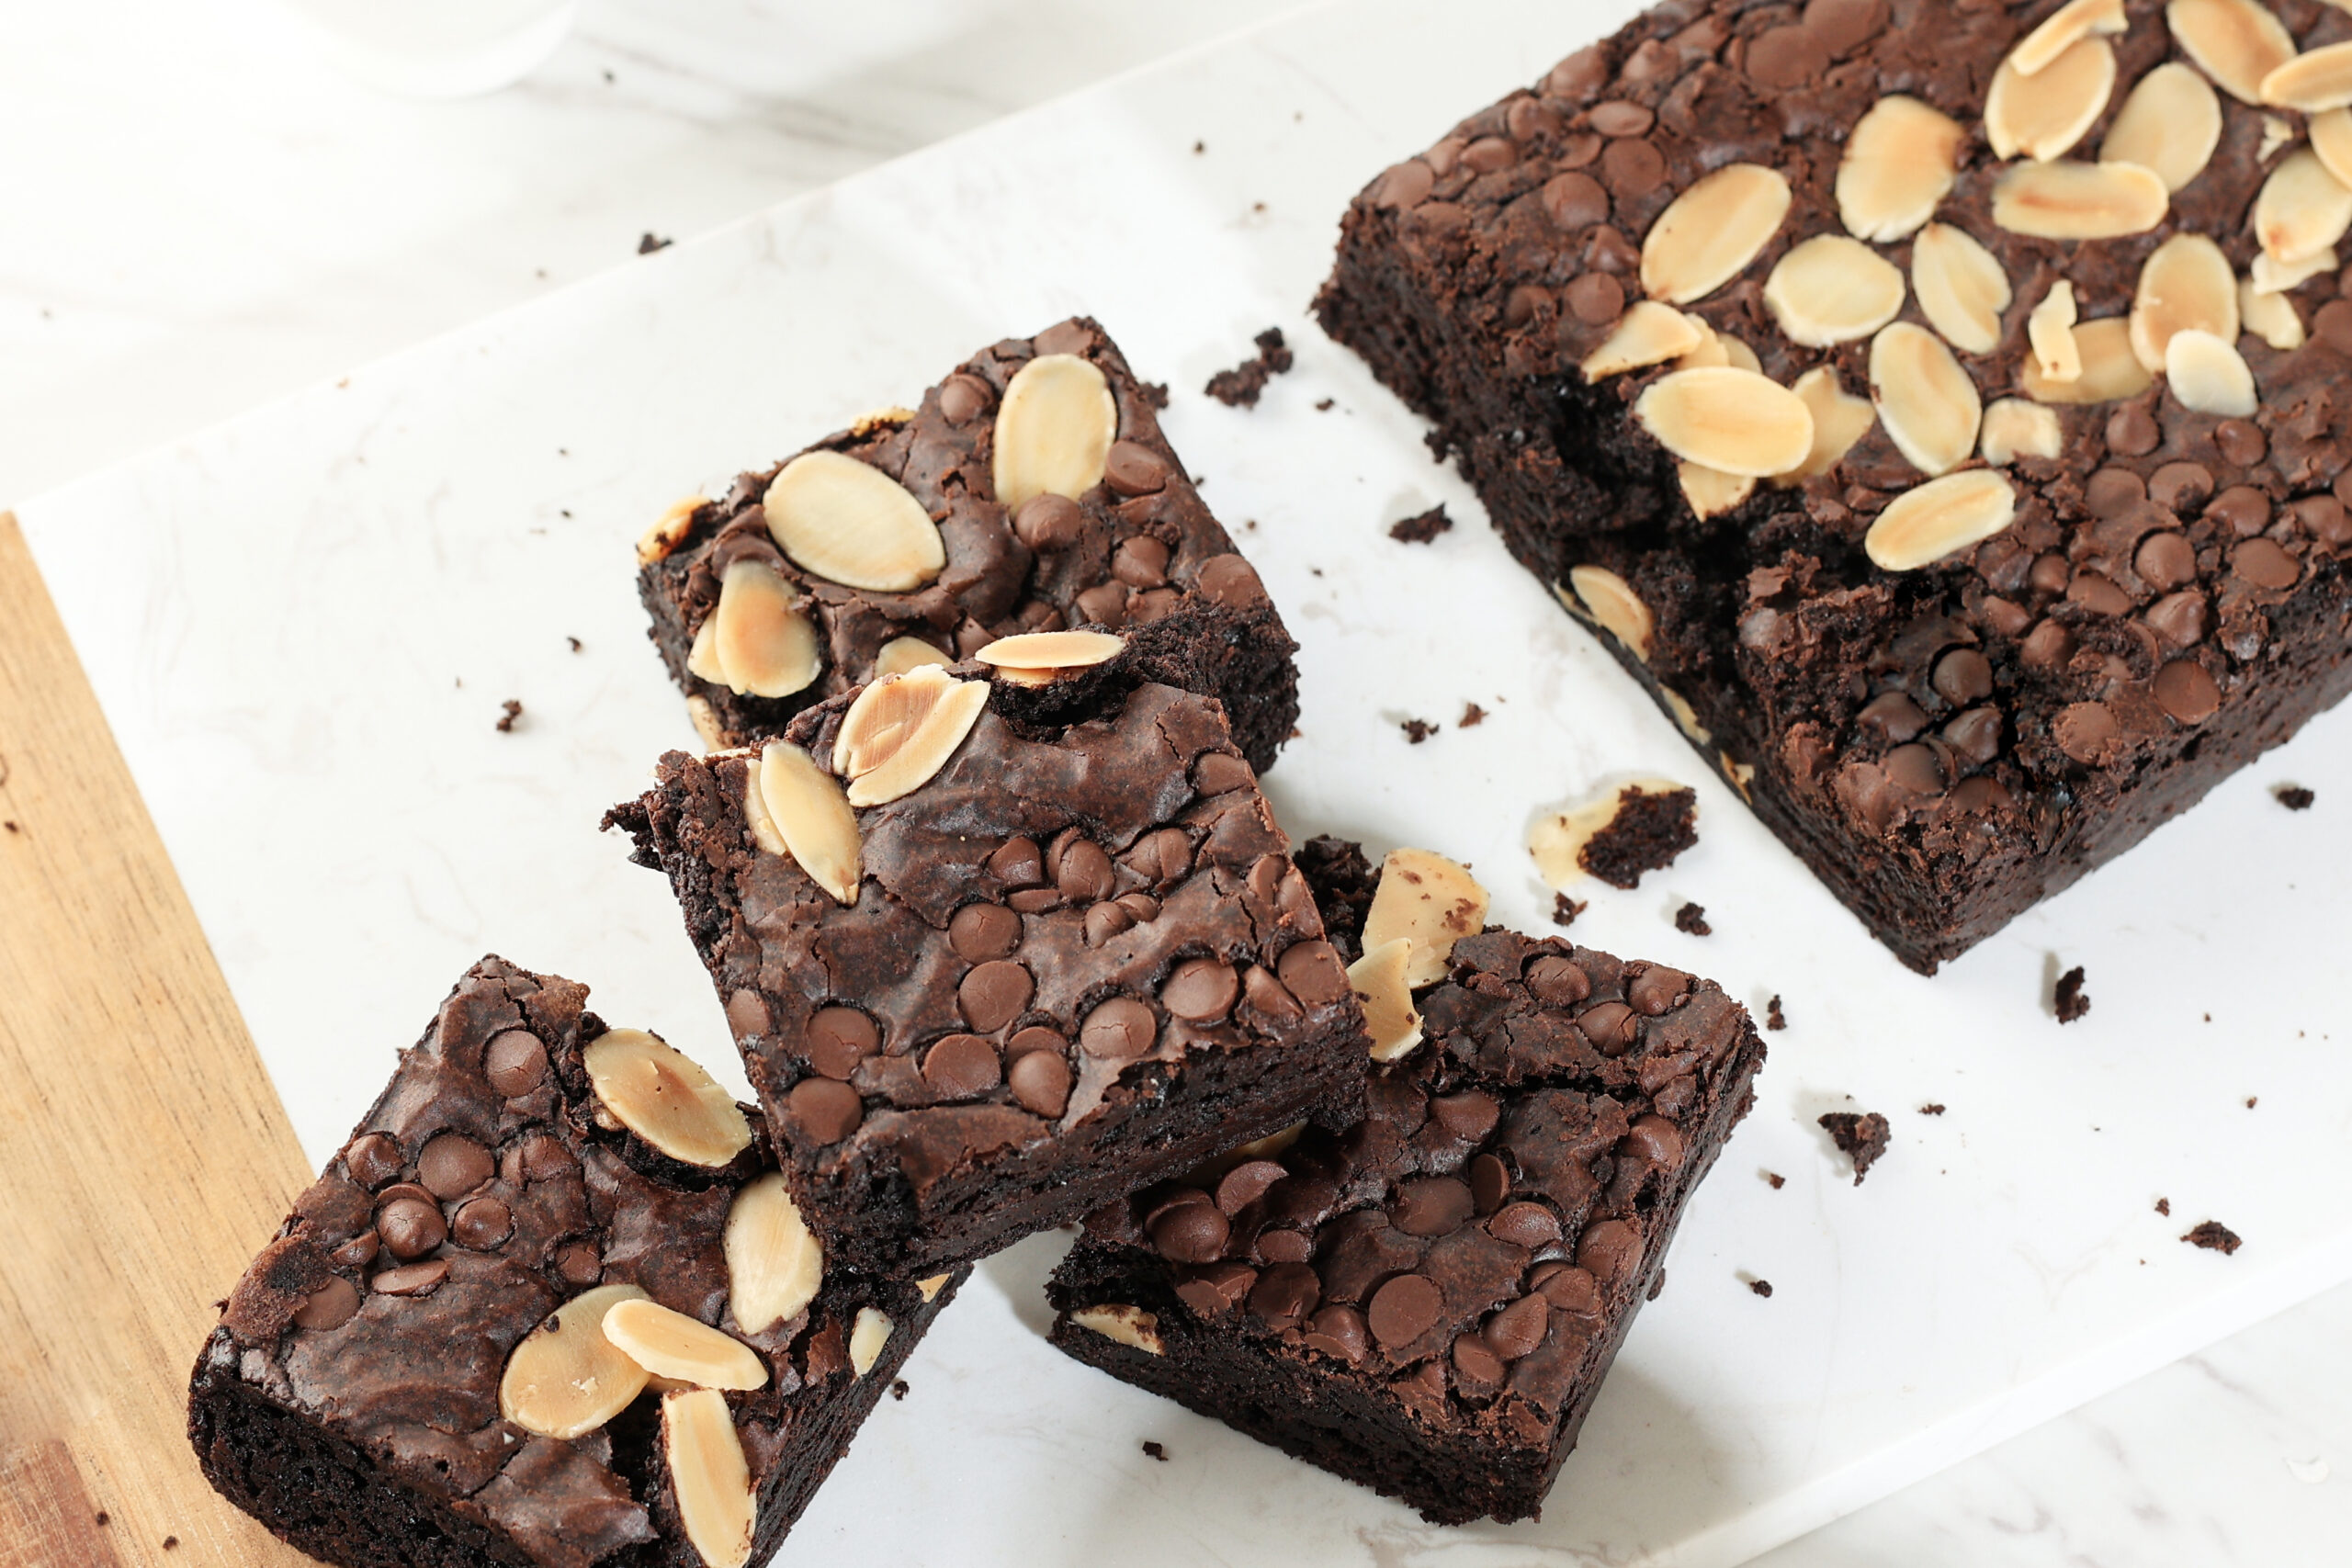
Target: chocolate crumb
(1154, 392)
(2294, 797)
(1565, 909)
(1761, 1287)
(1776, 1178)
(1471, 713)
(12, 827)
(1200, 146)
(2164, 1206)
(510, 710)
(1863, 1136)
(1773, 1017)
(897, 1388)
(1649, 830)
(1323, 405)
(1933, 1108)
(2068, 1000)
(2214, 1236)
(649, 242)
(172, 1542)
(1239, 387)
(1418, 729)
(1154, 1450)
(103, 1519)
(2250, 1100)
(1421, 529)
(1692, 918)
(574, 642)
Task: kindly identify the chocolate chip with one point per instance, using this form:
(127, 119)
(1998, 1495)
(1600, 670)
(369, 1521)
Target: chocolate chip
(747, 1015)
(1221, 772)
(2184, 691)
(1595, 298)
(2324, 517)
(2111, 492)
(1083, 870)
(2050, 572)
(1017, 862)
(1268, 996)
(1575, 202)
(2264, 564)
(2098, 593)
(1963, 676)
(453, 1165)
(1609, 1026)
(2047, 646)
(1047, 522)
(1246, 1183)
(1286, 1293)
(1163, 856)
(1403, 185)
(826, 1109)
(1140, 562)
(411, 1227)
(1657, 990)
(1313, 973)
(1404, 1309)
(330, 1306)
(1618, 117)
(1337, 1330)
(1229, 580)
(2242, 508)
(1105, 604)
(2132, 430)
(1104, 922)
(579, 1263)
(359, 1251)
(514, 1062)
(1524, 1224)
(1632, 169)
(993, 994)
(372, 1160)
(2084, 730)
(1133, 470)
(1489, 1183)
(1200, 990)
(840, 1038)
(2241, 442)
(1609, 1251)
(1431, 1206)
(482, 1223)
(1844, 25)
(2165, 560)
(1490, 154)
(543, 1157)
(963, 399)
(1655, 1139)
(1572, 1290)
(1891, 717)
(1283, 1246)
(1519, 1327)
(412, 1280)
(1118, 1031)
(1982, 793)
(1580, 75)
(1191, 1233)
(1787, 56)
(1975, 735)
(961, 1066)
(1475, 1363)
(1218, 1289)
(1914, 768)
(1040, 1081)
(1558, 982)
(1469, 1115)
(2180, 487)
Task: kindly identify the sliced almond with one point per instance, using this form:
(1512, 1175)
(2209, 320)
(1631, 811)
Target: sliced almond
(665, 1098)
(775, 1266)
(1962, 287)
(2079, 201)
(765, 832)
(901, 730)
(1610, 600)
(1710, 493)
(1899, 162)
(1648, 334)
(2170, 124)
(1927, 403)
(1707, 235)
(2110, 370)
(2042, 116)
(704, 718)
(1557, 840)
(702, 657)
(566, 1379)
(1128, 1325)
(2276, 134)
(2050, 333)
(2075, 19)
(2331, 135)
(1708, 351)
(1732, 420)
(1840, 419)
(671, 1345)
(1739, 356)
(851, 523)
(2268, 275)
(2185, 282)
(2236, 43)
(2302, 210)
(1052, 650)
(1922, 527)
(765, 646)
(1830, 289)
(709, 1477)
(1389, 1017)
(1686, 717)
(1431, 901)
(1054, 430)
(2209, 375)
(867, 1336)
(2270, 316)
(931, 1286)
(2015, 428)
(820, 829)
(663, 539)
(901, 654)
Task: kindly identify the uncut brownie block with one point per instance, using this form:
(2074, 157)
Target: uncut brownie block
(1118, 538)
(1073, 959)
(1426, 1302)
(1989, 630)
(354, 1397)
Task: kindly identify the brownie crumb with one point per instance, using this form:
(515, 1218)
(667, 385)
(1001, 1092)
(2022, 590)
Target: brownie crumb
(11, 825)
(172, 1542)
(1862, 1135)
(1761, 1287)
(649, 242)
(1343, 882)
(1323, 405)
(2294, 797)
(899, 1388)
(1471, 713)
(1692, 918)
(2068, 999)
(1773, 1017)
(1154, 392)
(1658, 1287)
(574, 642)
(2214, 1236)
(2250, 1100)
(1200, 147)
(103, 1519)
(1418, 729)
(1933, 1108)
(1421, 529)
(1564, 909)
(1649, 830)
(1154, 1450)
(2163, 1207)
(1776, 1178)
(1239, 387)
(509, 711)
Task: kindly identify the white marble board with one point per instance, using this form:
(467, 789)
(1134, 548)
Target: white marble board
(301, 625)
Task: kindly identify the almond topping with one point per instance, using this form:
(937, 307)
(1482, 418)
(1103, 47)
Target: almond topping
(2074, 20)
(1558, 839)
(901, 730)
(1052, 650)
(566, 1379)
(1648, 334)
(2208, 375)
(767, 647)
(902, 654)
(1610, 601)
(2185, 282)
(1378, 980)
(1899, 162)
(709, 1478)
(1830, 289)
(2270, 316)
(1710, 493)
(1710, 232)
(2271, 276)
(702, 658)
(1840, 419)
(931, 1285)
(1708, 351)
(867, 1336)
(2044, 115)
(704, 718)
(2079, 201)
(2331, 135)
(2110, 370)
(1961, 287)
(2170, 123)
(671, 1345)
(851, 523)
(2050, 331)
(1054, 430)
(1128, 1325)
(1927, 403)
(1733, 419)
(1739, 356)
(775, 1266)
(665, 1098)
(819, 831)
(663, 539)
(2302, 210)
(765, 832)
(2015, 428)
(1432, 903)
(1922, 527)
(2236, 43)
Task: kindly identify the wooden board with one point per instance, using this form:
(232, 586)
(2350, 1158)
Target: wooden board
(143, 1155)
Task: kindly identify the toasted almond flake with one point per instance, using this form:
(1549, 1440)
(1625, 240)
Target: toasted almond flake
(851, 523)
(867, 1336)
(704, 718)
(1708, 351)
(1015, 675)
(2015, 428)
(665, 1098)
(2270, 316)
(1052, 650)
(1840, 419)
(1927, 403)
(2271, 276)
(1830, 289)
(2050, 332)
(1648, 334)
(2079, 201)
(702, 657)
(709, 1478)
(566, 1379)
(1389, 1018)
(2236, 43)
(2169, 124)
(669, 530)
(1961, 285)
(1686, 717)
(2314, 80)
(902, 730)
(1899, 162)
(2044, 115)
(2185, 282)
(671, 1345)
(2208, 375)
(1707, 235)
(1129, 1325)
(2110, 370)
(888, 417)
(2302, 210)
(2276, 136)
(775, 1266)
(1610, 600)
(2076, 19)
(932, 1286)
(1054, 430)
(1559, 837)
(1740, 355)
(1740, 775)
(2331, 135)
(1922, 527)
(902, 654)
(1710, 493)
(765, 646)
(820, 829)
(1429, 901)
(1737, 421)
(765, 832)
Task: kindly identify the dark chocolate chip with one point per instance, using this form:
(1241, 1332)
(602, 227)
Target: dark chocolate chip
(1609, 1251)
(963, 399)
(993, 994)
(1469, 1115)
(1104, 922)
(1787, 56)
(411, 1227)
(1132, 469)
(1140, 562)
(1963, 676)
(1285, 1247)
(1527, 1225)
(482, 1223)
(1083, 870)
(1404, 1309)
(2187, 692)
(359, 1251)
(1118, 1029)
(979, 932)
(1595, 298)
(329, 1306)
(1191, 1233)
(1476, 1364)
(1558, 982)
(1268, 996)
(1403, 185)
(826, 1109)
(1657, 990)
(373, 1160)
(1431, 1206)
(2084, 730)
(1246, 1183)
(1221, 772)
(1632, 169)
(1313, 973)
(412, 1280)
(1337, 1330)
(2132, 430)
(2241, 441)
(1612, 1027)
(1914, 768)
(2264, 564)
(579, 1263)
(840, 1038)
(1018, 862)
(453, 1165)
(2165, 560)
(1489, 1183)
(1040, 1081)
(2181, 488)
(1891, 717)
(961, 1066)
(1105, 604)
(2047, 646)
(1572, 1290)
(1163, 856)
(1519, 1327)
(1229, 580)
(1047, 522)
(514, 1062)
(1286, 1293)
(1975, 735)
(2178, 618)
(544, 1158)
(2096, 593)
(1618, 117)
(1200, 990)
(1575, 202)
(2111, 492)
(1655, 1139)
(1218, 1289)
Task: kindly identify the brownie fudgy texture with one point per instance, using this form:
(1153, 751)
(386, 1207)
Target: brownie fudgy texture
(1033, 490)
(1426, 1302)
(1060, 955)
(416, 1371)
(1938, 407)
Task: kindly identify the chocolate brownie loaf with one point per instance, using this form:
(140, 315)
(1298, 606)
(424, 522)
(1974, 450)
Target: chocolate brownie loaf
(1426, 1302)
(1935, 405)
(998, 950)
(1032, 491)
(551, 1304)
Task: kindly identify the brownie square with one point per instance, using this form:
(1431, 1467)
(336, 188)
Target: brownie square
(1084, 516)
(1072, 957)
(1938, 409)
(1426, 1302)
(413, 1373)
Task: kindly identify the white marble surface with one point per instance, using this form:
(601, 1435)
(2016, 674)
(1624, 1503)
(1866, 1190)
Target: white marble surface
(2185, 1466)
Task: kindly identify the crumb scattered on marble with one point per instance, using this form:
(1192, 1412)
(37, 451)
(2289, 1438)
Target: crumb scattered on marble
(1565, 909)
(1761, 1287)
(1154, 392)
(1472, 713)
(574, 642)
(2068, 1000)
(899, 1388)
(1776, 1178)
(1422, 527)
(1863, 1136)
(1241, 386)
(2250, 1100)
(1773, 1017)
(2294, 797)
(2214, 1236)
(1154, 1450)
(1692, 918)
(1418, 729)
(2163, 1207)
(1200, 146)
(649, 242)
(1933, 1108)
(510, 711)
(1323, 405)
(103, 1519)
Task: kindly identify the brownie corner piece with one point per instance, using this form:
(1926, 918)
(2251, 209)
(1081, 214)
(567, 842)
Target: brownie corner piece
(431, 1365)
(2032, 523)
(1425, 1302)
(1030, 491)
